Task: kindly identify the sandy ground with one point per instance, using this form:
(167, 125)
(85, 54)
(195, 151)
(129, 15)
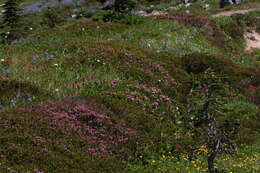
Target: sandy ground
(252, 40)
(229, 13)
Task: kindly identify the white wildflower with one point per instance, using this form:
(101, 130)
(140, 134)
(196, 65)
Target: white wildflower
(179, 122)
(2, 60)
(56, 65)
(206, 6)
(56, 89)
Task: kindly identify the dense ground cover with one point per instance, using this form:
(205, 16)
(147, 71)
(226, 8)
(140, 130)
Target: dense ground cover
(94, 96)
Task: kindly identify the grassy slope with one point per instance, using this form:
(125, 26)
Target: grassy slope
(137, 78)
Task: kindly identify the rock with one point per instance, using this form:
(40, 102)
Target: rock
(224, 3)
(141, 13)
(206, 6)
(185, 1)
(74, 16)
(108, 5)
(156, 13)
(187, 5)
(237, 1)
(172, 8)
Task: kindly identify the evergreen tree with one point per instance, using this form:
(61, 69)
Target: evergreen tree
(124, 5)
(210, 125)
(11, 14)
(11, 21)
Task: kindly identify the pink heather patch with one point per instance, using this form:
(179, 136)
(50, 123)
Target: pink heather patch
(37, 171)
(82, 108)
(252, 87)
(101, 134)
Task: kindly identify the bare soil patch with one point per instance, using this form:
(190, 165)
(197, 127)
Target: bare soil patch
(229, 13)
(252, 40)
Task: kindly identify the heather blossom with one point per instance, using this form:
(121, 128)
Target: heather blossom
(97, 129)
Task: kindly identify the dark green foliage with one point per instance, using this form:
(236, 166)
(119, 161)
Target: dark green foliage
(124, 6)
(238, 76)
(53, 17)
(248, 116)
(122, 9)
(108, 16)
(234, 29)
(246, 20)
(11, 21)
(117, 17)
(18, 93)
(102, 1)
(11, 14)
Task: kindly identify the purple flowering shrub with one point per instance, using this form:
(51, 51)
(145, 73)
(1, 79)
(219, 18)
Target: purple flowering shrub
(98, 130)
(47, 137)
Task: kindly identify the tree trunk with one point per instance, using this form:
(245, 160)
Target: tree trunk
(211, 162)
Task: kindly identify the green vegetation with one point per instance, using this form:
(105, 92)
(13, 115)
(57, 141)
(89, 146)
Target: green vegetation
(116, 92)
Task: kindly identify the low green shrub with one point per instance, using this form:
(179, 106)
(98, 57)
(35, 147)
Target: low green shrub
(108, 16)
(117, 17)
(238, 76)
(234, 30)
(53, 17)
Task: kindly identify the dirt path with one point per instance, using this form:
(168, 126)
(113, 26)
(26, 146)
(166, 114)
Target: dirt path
(229, 13)
(252, 40)
(252, 37)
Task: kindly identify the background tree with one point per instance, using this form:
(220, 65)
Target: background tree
(11, 19)
(11, 14)
(210, 125)
(124, 5)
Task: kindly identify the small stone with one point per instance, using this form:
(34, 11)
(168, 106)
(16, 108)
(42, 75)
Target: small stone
(141, 13)
(74, 16)
(187, 5)
(206, 6)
